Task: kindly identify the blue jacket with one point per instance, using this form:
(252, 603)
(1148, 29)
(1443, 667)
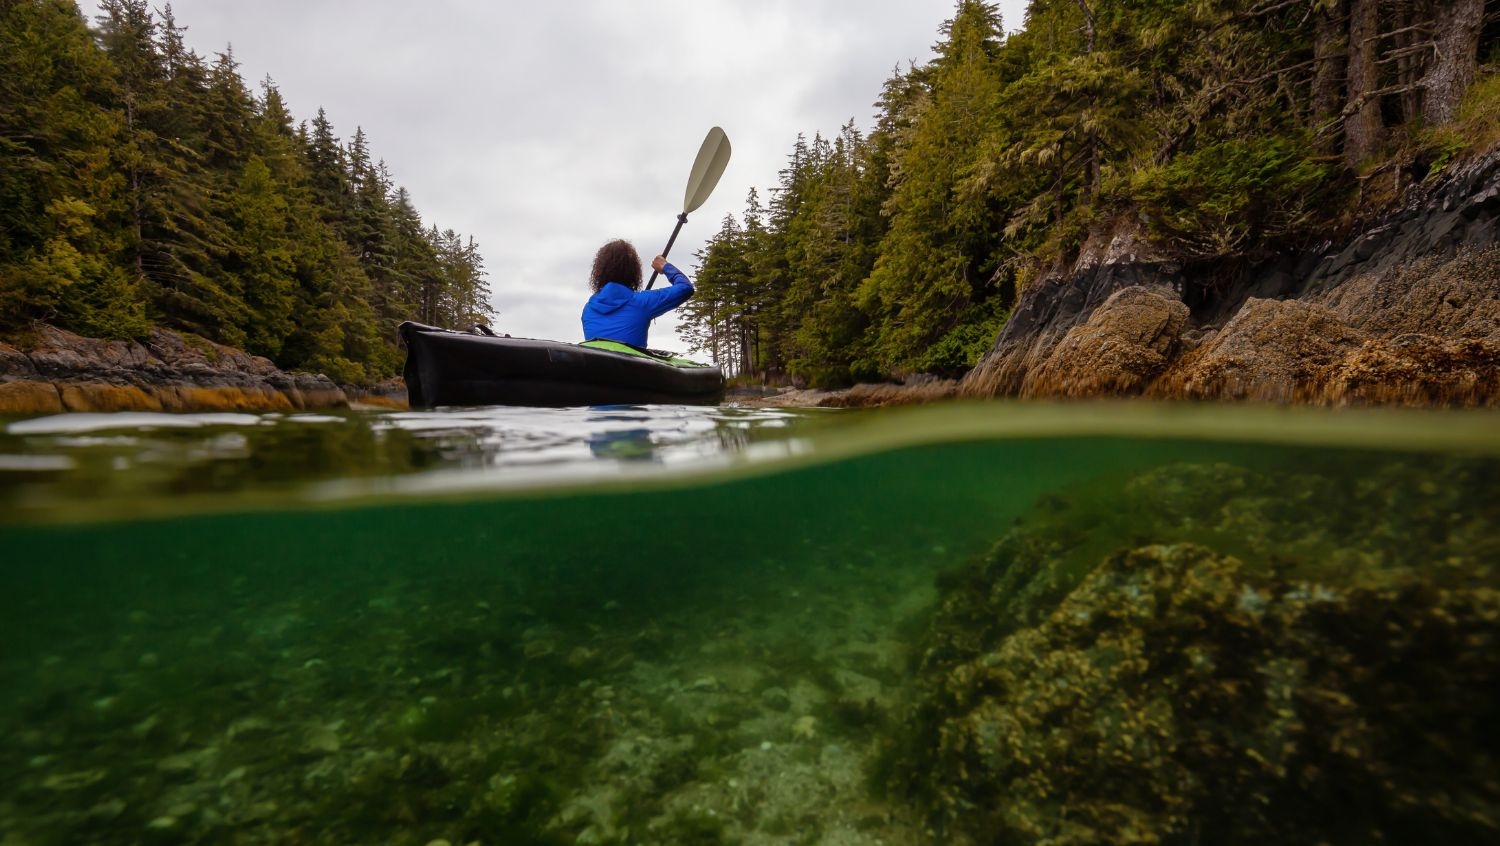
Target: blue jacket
(620, 314)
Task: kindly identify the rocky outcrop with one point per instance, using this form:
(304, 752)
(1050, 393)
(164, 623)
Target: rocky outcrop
(1406, 311)
(1124, 344)
(1416, 370)
(1271, 350)
(1112, 261)
(59, 371)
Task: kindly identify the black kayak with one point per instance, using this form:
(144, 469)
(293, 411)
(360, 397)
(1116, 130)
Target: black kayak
(445, 367)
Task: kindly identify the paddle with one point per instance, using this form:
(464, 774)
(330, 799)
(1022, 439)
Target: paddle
(713, 157)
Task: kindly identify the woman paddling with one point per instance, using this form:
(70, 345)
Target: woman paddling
(619, 310)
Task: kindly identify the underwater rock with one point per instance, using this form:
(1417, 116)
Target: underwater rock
(163, 825)
(856, 687)
(581, 657)
(806, 697)
(67, 782)
(147, 728)
(776, 698)
(321, 740)
(1168, 692)
(805, 728)
(248, 728)
(184, 764)
(107, 811)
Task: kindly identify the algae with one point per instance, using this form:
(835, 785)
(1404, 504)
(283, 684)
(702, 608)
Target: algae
(1332, 680)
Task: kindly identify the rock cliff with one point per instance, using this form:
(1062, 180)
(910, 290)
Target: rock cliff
(1405, 310)
(59, 371)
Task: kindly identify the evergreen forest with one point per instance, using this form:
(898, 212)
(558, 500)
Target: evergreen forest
(1226, 130)
(144, 185)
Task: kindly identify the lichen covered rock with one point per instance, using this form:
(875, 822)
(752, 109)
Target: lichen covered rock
(1417, 370)
(1125, 344)
(168, 371)
(1272, 350)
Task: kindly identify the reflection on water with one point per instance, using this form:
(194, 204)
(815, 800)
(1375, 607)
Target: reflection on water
(123, 464)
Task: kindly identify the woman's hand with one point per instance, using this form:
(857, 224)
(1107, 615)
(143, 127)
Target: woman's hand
(658, 263)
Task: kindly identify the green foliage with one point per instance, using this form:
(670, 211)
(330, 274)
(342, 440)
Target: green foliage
(1232, 197)
(266, 258)
(963, 345)
(937, 258)
(1217, 124)
(59, 198)
(141, 185)
(1477, 127)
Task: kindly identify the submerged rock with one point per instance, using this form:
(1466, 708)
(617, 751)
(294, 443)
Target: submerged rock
(1334, 680)
(321, 740)
(79, 780)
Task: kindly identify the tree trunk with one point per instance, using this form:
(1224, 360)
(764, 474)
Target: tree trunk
(138, 212)
(1091, 35)
(1456, 27)
(1410, 45)
(744, 350)
(1330, 52)
(1057, 188)
(1096, 171)
(1090, 30)
(1364, 129)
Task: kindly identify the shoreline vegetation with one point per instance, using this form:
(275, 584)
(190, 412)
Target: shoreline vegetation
(144, 187)
(1082, 208)
(1014, 183)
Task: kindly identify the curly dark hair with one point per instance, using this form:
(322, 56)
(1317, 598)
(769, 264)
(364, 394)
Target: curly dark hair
(616, 261)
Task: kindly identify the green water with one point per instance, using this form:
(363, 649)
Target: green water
(660, 625)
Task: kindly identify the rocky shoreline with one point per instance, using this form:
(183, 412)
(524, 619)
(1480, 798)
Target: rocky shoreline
(59, 371)
(1404, 310)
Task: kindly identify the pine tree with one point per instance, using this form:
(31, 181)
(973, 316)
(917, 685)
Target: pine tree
(925, 293)
(416, 264)
(715, 319)
(181, 236)
(833, 253)
(60, 200)
(326, 169)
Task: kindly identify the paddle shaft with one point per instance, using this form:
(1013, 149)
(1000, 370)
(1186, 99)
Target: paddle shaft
(681, 219)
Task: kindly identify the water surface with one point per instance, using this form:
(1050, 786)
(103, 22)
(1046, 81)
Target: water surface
(621, 625)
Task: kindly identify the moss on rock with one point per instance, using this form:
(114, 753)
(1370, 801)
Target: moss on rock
(1168, 692)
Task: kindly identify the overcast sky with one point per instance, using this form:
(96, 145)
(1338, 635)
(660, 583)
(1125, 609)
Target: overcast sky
(545, 129)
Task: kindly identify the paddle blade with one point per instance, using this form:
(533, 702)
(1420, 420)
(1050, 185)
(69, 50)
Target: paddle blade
(713, 157)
